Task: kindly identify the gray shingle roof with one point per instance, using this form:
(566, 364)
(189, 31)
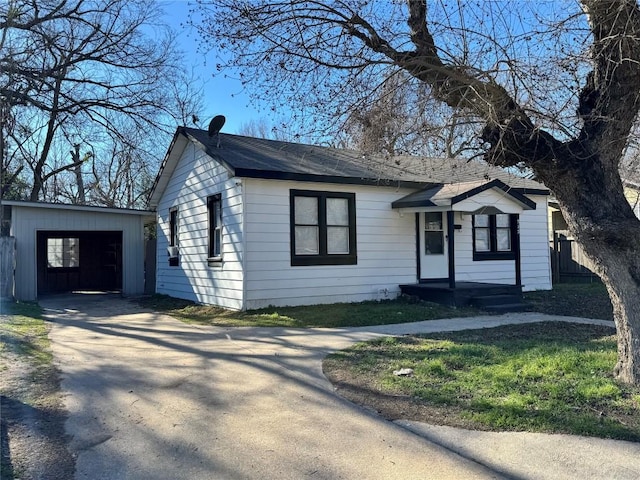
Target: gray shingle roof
(248, 156)
(274, 159)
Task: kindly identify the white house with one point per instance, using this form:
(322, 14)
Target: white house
(245, 223)
(61, 248)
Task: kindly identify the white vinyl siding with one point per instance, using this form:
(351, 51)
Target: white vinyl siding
(468, 270)
(386, 251)
(534, 250)
(28, 220)
(196, 178)
(256, 259)
(534, 246)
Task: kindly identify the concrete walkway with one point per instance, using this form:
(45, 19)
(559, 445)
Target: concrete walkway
(152, 398)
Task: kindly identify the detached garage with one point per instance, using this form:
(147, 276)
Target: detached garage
(63, 248)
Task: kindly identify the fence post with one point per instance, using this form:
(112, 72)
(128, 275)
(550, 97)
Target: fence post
(555, 265)
(7, 266)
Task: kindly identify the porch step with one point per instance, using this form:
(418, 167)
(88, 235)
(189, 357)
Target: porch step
(506, 308)
(499, 303)
(462, 293)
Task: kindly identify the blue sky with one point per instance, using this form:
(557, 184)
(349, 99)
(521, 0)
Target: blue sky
(222, 96)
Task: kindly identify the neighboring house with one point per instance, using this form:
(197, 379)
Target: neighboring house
(557, 223)
(632, 192)
(62, 248)
(246, 223)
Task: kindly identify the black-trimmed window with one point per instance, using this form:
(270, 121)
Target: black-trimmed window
(323, 228)
(493, 236)
(173, 227)
(214, 211)
(173, 237)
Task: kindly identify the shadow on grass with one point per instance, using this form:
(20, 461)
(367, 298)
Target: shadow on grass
(547, 377)
(384, 312)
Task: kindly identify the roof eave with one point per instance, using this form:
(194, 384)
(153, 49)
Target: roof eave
(309, 177)
(85, 208)
(167, 167)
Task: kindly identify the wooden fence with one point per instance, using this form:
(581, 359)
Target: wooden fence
(7, 266)
(569, 263)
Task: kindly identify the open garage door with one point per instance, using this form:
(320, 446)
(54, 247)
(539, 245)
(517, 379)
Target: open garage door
(79, 260)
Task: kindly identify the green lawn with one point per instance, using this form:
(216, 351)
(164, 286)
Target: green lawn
(334, 315)
(588, 300)
(24, 333)
(548, 377)
(579, 300)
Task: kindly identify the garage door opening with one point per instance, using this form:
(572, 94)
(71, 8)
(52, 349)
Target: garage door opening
(79, 260)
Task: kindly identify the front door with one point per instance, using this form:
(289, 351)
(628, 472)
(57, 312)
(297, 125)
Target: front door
(434, 259)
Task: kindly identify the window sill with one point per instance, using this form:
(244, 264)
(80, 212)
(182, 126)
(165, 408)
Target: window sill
(483, 256)
(311, 260)
(214, 261)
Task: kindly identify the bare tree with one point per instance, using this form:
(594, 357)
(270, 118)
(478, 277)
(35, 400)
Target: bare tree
(401, 119)
(280, 129)
(260, 128)
(69, 67)
(556, 86)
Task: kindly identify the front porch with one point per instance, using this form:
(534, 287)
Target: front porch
(489, 296)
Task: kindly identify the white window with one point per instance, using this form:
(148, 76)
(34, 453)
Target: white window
(63, 252)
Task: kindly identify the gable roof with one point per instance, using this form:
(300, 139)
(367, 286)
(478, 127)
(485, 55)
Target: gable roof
(273, 159)
(449, 194)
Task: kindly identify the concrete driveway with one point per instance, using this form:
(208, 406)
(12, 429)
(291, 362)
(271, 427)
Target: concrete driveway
(152, 398)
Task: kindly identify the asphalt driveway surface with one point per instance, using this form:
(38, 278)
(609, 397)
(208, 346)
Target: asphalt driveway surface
(152, 398)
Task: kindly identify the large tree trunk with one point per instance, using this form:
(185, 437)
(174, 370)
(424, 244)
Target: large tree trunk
(609, 232)
(624, 291)
(618, 263)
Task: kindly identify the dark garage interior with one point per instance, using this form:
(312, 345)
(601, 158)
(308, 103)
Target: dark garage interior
(79, 260)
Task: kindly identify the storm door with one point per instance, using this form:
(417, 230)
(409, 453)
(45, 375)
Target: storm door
(434, 261)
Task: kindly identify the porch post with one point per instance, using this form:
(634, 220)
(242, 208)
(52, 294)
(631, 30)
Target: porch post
(418, 267)
(451, 249)
(516, 246)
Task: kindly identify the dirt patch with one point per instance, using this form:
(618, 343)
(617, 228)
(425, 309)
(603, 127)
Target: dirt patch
(358, 389)
(34, 444)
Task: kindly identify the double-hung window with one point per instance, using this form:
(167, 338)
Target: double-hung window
(493, 236)
(173, 237)
(214, 211)
(323, 228)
